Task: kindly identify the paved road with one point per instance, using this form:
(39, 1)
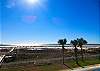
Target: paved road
(86, 68)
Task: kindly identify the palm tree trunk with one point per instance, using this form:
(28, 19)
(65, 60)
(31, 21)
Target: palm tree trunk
(82, 54)
(63, 57)
(63, 54)
(76, 57)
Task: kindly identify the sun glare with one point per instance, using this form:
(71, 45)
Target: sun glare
(32, 4)
(32, 1)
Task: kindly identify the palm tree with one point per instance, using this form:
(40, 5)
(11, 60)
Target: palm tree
(75, 43)
(81, 42)
(62, 42)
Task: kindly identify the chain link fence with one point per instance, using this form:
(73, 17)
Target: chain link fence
(44, 55)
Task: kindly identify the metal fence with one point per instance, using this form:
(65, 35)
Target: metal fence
(43, 55)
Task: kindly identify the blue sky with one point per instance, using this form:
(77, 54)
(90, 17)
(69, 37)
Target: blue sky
(49, 20)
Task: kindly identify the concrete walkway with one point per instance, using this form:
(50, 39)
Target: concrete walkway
(86, 68)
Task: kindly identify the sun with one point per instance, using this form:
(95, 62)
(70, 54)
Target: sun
(32, 4)
(32, 1)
